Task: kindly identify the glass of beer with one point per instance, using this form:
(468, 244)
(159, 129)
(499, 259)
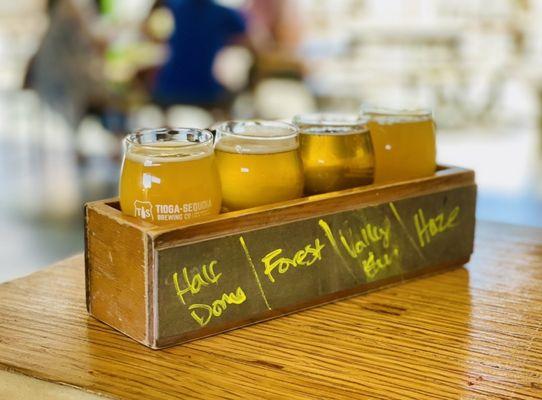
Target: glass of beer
(258, 163)
(336, 151)
(169, 176)
(404, 143)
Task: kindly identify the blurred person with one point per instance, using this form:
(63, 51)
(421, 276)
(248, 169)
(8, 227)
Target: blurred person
(277, 74)
(275, 29)
(66, 71)
(201, 29)
(274, 24)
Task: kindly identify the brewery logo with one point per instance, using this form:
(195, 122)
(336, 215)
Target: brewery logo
(143, 210)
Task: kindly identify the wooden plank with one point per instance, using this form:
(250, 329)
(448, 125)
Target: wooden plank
(473, 332)
(447, 177)
(312, 206)
(116, 268)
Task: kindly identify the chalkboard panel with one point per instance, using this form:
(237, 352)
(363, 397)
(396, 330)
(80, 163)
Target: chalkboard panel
(220, 283)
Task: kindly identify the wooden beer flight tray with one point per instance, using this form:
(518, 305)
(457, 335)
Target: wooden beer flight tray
(165, 286)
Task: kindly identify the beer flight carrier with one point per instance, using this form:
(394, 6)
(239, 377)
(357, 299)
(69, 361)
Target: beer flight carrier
(163, 284)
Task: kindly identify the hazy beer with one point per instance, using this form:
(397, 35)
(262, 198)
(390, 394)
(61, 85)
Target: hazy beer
(170, 176)
(336, 151)
(404, 143)
(258, 163)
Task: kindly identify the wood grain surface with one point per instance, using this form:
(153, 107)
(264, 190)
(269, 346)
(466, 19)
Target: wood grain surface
(474, 332)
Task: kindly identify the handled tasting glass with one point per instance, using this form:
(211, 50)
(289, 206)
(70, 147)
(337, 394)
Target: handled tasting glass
(258, 163)
(336, 151)
(169, 176)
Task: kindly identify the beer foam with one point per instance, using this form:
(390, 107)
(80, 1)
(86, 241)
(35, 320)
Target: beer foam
(256, 145)
(387, 116)
(331, 124)
(329, 119)
(333, 131)
(400, 119)
(168, 152)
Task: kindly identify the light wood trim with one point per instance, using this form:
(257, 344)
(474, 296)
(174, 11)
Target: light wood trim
(309, 207)
(447, 177)
(117, 285)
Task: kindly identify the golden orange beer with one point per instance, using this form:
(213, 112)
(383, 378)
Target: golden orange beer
(336, 151)
(258, 163)
(404, 144)
(170, 176)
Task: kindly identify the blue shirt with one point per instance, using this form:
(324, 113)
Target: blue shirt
(202, 29)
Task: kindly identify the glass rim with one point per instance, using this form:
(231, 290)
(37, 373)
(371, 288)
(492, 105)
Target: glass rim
(331, 119)
(204, 137)
(226, 128)
(383, 112)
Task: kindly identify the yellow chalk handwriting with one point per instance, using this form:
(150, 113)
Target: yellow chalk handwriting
(203, 313)
(356, 243)
(368, 234)
(372, 265)
(193, 285)
(302, 258)
(253, 268)
(405, 230)
(329, 235)
(427, 229)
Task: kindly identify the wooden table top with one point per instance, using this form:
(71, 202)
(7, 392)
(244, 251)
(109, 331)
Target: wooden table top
(473, 332)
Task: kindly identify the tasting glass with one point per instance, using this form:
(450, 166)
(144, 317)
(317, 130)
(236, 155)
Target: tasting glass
(258, 163)
(336, 151)
(169, 176)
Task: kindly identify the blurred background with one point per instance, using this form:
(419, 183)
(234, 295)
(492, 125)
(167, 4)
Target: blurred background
(76, 75)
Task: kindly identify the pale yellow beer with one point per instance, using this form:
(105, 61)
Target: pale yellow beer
(169, 176)
(336, 151)
(258, 163)
(404, 144)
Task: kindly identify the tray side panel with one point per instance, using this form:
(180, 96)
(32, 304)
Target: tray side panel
(116, 257)
(219, 284)
(307, 207)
